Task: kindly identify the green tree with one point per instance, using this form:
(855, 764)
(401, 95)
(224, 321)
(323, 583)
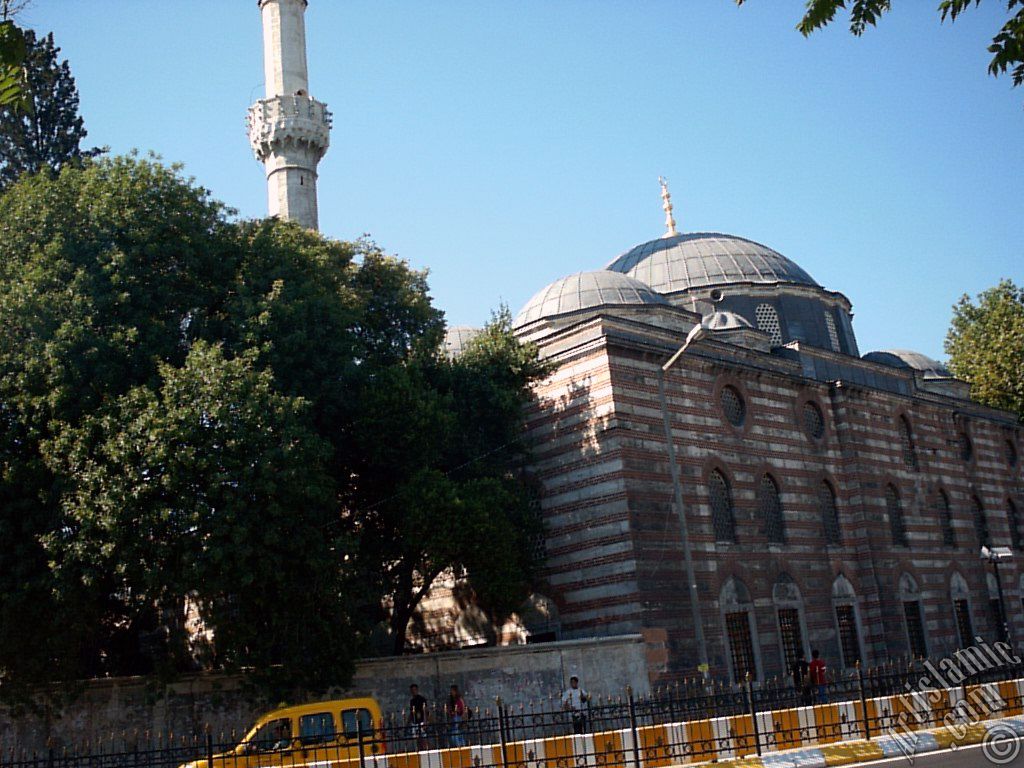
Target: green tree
(442, 486)
(40, 127)
(1007, 46)
(985, 344)
(241, 419)
(227, 480)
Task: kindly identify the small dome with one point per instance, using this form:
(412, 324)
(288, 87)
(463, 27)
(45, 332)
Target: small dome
(585, 290)
(457, 337)
(704, 259)
(725, 321)
(905, 358)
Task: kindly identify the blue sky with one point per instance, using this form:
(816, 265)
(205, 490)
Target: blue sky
(503, 145)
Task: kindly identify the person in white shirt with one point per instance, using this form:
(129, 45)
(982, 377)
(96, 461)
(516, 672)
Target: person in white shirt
(574, 702)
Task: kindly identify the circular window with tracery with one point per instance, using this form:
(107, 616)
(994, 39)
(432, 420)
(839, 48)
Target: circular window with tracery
(814, 420)
(733, 406)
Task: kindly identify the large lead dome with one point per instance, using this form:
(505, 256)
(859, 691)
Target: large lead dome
(704, 260)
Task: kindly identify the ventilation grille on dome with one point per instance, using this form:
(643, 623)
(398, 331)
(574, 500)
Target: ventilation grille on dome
(833, 336)
(768, 321)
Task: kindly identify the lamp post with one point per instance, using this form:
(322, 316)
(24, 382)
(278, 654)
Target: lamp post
(996, 555)
(698, 332)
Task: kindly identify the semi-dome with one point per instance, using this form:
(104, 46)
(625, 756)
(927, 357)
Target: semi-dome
(906, 358)
(585, 290)
(457, 337)
(705, 259)
(725, 321)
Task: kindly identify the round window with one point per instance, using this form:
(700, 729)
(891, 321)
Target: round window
(733, 406)
(814, 421)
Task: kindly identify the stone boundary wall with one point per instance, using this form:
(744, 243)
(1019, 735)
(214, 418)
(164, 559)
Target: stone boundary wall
(519, 674)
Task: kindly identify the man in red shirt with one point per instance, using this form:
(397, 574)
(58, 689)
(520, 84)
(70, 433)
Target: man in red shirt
(816, 671)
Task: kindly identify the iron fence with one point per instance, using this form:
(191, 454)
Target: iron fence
(687, 721)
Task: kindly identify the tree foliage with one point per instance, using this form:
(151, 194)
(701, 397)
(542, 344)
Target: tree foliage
(240, 424)
(985, 344)
(1007, 46)
(40, 127)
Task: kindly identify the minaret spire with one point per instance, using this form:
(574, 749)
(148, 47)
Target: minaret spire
(288, 130)
(666, 204)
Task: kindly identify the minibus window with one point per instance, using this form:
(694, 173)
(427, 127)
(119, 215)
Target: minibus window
(316, 729)
(272, 735)
(349, 723)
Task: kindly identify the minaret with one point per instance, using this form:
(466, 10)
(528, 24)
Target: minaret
(288, 130)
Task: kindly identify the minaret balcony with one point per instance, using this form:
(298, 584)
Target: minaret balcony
(281, 120)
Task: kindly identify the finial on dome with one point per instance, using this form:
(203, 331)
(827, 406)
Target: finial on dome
(666, 203)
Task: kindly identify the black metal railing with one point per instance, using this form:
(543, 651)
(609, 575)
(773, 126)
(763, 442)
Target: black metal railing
(688, 721)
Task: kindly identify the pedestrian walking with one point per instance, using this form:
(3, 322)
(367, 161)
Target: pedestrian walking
(574, 702)
(817, 672)
(417, 716)
(802, 680)
(456, 711)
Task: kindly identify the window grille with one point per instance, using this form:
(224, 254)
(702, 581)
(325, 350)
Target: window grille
(829, 514)
(946, 517)
(741, 645)
(733, 406)
(897, 526)
(849, 643)
(980, 522)
(814, 421)
(722, 514)
(768, 321)
(1014, 523)
(915, 629)
(792, 640)
(769, 501)
(964, 629)
(833, 336)
(907, 440)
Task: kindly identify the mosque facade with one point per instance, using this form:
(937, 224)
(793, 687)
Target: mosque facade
(833, 500)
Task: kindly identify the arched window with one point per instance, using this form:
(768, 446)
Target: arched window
(980, 522)
(829, 514)
(1014, 523)
(738, 616)
(907, 441)
(894, 507)
(844, 604)
(769, 502)
(723, 516)
(961, 597)
(945, 512)
(1011, 453)
(913, 617)
(768, 321)
(789, 610)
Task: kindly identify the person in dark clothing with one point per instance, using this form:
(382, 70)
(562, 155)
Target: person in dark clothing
(418, 716)
(802, 681)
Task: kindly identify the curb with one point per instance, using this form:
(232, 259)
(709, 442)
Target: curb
(911, 745)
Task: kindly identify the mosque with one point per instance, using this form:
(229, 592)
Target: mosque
(722, 470)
